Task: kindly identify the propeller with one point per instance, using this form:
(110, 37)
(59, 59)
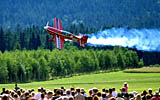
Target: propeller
(46, 27)
(47, 23)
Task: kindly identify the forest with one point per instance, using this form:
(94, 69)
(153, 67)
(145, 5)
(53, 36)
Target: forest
(36, 65)
(27, 55)
(93, 13)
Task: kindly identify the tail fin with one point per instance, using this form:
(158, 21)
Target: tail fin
(83, 40)
(58, 24)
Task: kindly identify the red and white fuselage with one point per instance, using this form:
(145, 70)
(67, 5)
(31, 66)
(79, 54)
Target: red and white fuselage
(59, 35)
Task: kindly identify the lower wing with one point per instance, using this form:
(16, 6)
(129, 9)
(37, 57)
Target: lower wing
(59, 41)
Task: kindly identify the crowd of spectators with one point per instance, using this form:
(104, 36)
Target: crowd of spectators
(78, 94)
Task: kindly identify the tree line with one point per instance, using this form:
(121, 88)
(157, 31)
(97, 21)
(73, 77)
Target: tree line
(34, 37)
(94, 13)
(36, 65)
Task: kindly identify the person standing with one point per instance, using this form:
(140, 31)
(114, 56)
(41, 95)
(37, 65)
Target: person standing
(38, 95)
(79, 96)
(126, 87)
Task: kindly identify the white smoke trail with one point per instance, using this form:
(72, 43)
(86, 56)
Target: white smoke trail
(143, 39)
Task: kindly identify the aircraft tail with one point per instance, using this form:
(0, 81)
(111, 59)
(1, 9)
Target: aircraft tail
(83, 40)
(57, 24)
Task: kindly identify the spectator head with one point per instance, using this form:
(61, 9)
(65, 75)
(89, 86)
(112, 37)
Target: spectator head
(12, 94)
(61, 90)
(58, 92)
(119, 95)
(150, 91)
(112, 98)
(28, 97)
(5, 97)
(95, 97)
(23, 90)
(73, 93)
(82, 90)
(7, 92)
(126, 95)
(49, 94)
(29, 90)
(68, 92)
(72, 89)
(62, 87)
(123, 89)
(70, 98)
(62, 98)
(55, 90)
(99, 94)
(138, 97)
(156, 94)
(32, 90)
(78, 90)
(19, 92)
(134, 93)
(3, 90)
(148, 97)
(42, 96)
(125, 84)
(15, 96)
(26, 94)
(131, 95)
(131, 99)
(103, 90)
(39, 89)
(95, 90)
(33, 94)
(90, 91)
(113, 89)
(44, 91)
(144, 92)
(107, 90)
(89, 98)
(103, 95)
(110, 91)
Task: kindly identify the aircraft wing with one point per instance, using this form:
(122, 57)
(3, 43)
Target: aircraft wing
(59, 41)
(57, 24)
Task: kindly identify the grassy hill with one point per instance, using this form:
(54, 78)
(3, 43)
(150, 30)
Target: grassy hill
(136, 81)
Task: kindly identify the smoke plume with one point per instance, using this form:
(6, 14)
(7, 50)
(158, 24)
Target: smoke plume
(142, 39)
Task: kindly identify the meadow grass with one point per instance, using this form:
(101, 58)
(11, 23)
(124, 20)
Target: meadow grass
(136, 81)
(143, 70)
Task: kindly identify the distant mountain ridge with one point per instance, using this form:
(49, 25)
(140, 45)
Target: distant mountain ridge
(93, 13)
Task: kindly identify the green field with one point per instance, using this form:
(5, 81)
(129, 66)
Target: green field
(143, 70)
(136, 81)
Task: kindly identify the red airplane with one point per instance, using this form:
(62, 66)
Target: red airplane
(59, 35)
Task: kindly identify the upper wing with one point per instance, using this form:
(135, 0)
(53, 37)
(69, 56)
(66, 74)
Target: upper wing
(58, 24)
(59, 41)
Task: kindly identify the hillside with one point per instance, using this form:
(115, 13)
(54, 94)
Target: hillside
(93, 13)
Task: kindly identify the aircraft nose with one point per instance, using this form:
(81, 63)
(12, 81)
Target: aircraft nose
(46, 27)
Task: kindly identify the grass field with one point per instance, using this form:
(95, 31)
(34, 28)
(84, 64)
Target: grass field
(136, 81)
(144, 70)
